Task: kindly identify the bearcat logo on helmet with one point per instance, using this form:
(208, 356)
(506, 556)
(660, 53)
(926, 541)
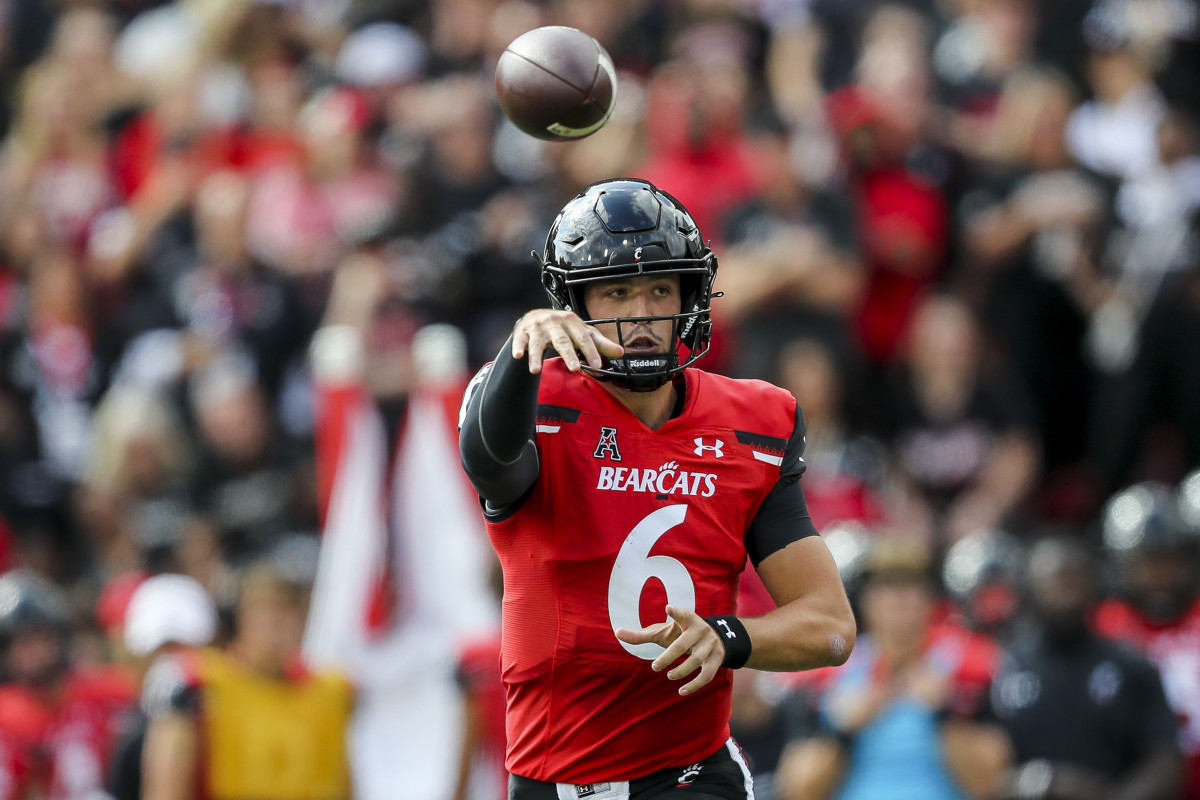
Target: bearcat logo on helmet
(621, 228)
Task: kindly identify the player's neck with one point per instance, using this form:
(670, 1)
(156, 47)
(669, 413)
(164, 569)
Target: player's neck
(652, 408)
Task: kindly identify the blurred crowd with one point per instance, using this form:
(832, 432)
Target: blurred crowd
(964, 233)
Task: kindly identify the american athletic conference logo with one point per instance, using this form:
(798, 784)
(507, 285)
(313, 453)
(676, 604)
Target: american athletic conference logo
(607, 446)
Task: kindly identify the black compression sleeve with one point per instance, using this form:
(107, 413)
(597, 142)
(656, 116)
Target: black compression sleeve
(496, 434)
(783, 516)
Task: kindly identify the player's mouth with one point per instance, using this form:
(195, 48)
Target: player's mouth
(642, 343)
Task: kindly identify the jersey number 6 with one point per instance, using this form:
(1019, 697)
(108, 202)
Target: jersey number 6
(635, 566)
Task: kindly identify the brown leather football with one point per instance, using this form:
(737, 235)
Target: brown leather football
(556, 83)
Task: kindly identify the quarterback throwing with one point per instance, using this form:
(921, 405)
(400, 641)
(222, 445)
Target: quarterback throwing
(624, 486)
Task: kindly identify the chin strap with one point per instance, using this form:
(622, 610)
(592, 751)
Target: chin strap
(637, 373)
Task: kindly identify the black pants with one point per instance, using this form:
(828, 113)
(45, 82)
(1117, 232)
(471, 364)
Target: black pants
(722, 776)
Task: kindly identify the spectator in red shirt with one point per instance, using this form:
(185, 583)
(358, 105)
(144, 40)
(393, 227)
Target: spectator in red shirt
(903, 226)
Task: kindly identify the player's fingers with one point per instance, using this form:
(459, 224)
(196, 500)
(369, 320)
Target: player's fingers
(698, 639)
(693, 662)
(565, 348)
(587, 346)
(537, 347)
(684, 616)
(707, 673)
(681, 644)
(665, 632)
(520, 343)
(606, 345)
(642, 636)
(652, 634)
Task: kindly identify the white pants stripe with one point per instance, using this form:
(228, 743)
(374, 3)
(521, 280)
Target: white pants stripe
(735, 753)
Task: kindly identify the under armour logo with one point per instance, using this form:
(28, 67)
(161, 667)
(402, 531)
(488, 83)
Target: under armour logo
(729, 634)
(607, 446)
(701, 447)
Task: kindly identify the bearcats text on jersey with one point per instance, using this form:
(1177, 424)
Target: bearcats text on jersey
(667, 479)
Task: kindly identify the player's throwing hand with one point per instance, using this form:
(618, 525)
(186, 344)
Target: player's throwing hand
(684, 631)
(566, 333)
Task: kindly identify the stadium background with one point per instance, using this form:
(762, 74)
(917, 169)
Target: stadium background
(962, 232)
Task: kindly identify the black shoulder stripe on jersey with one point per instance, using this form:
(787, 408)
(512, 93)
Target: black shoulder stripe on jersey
(776, 444)
(559, 414)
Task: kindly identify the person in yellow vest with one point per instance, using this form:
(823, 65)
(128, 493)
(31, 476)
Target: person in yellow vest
(249, 722)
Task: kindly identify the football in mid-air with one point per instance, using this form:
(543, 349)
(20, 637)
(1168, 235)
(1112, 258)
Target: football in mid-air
(556, 83)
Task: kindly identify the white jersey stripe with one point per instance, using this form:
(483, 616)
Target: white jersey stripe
(548, 428)
(767, 457)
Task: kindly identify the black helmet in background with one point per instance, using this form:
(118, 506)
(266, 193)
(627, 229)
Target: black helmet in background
(35, 628)
(981, 573)
(1152, 548)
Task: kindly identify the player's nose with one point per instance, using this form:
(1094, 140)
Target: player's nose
(642, 303)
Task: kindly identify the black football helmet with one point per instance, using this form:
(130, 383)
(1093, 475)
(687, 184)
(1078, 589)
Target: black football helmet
(1145, 518)
(981, 573)
(32, 604)
(1153, 547)
(621, 228)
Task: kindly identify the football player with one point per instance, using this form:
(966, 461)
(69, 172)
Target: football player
(623, 486)
(58, 720)
(1152, 535)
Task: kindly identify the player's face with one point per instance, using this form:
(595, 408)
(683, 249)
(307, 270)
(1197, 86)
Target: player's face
(269, 628)
(32, 655)
(1163, 584)
(897, 608)
(643, 296)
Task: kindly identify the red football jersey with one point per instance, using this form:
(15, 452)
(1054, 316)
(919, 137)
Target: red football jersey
(65, 748)
(1175, 650)
(622, 520)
